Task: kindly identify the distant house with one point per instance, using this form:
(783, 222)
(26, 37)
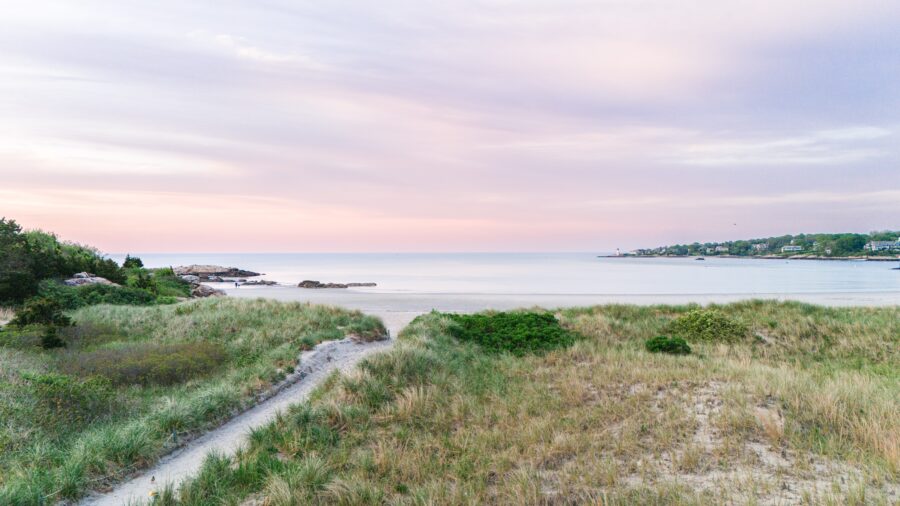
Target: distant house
(760, 246)
(791, 248)
(721, 249)
(883, 245)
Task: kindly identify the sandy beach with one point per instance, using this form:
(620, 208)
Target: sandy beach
(463, 302)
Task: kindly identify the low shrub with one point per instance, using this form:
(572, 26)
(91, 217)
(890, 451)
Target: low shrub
(670, 345)
(132, 262)
(146, 363)
(117, 295)
(515, 332)
(66, 401)
(708, 325)
(43, 311)
(72, 297)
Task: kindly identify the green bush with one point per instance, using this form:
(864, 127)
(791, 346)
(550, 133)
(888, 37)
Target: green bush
(28, 257)
(66, 401)
(132, 262)
(146, 363)
(708, 325)
(670, 345)
(41, 311)
(74, 297)
(90, 295)
(515, 332)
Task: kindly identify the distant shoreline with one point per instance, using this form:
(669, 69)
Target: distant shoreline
(766, 257)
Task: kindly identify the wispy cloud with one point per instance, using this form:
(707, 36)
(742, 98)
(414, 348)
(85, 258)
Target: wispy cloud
(827, 147)
(583, 123)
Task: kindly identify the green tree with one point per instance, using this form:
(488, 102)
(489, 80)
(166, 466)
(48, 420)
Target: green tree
(17, 281)
(132, 262)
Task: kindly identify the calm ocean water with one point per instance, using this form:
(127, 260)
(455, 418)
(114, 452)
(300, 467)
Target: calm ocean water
(556, 273)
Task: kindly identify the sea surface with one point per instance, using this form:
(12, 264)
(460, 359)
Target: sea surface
(560, 274)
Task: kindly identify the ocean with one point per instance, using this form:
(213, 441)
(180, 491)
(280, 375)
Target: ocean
(556, 273)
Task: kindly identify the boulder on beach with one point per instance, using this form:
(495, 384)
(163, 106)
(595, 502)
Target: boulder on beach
(86, 278)
(205, 291)
(190, 278)
(208, 272)
(261, 282)
(318, 284)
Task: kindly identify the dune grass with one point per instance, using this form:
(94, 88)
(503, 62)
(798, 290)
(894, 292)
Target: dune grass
(803, 409)
(134, 381)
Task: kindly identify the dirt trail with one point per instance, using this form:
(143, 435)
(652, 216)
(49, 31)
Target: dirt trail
(315, 365)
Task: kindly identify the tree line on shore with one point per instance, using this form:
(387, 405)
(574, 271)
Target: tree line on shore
(837, 245)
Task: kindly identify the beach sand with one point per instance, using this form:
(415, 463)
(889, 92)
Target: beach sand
(461, 302)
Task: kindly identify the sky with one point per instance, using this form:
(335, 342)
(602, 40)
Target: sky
(546, 125)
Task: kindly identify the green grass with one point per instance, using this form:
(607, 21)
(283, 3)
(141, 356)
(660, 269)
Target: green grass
(805, 409)
(133, 381)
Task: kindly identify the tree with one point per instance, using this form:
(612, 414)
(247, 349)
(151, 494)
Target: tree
(849, 243)
(45, 311)
(17, 281)
(132, 262)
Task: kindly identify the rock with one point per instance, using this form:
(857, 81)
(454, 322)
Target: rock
(205, 291)
(318, 284)
(190, 278)
(263, 282)
(215, 279)
(205, 272)
(86, 278)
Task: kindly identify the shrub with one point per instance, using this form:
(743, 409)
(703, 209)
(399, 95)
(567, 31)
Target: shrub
(708, 325)
(132, 262)
(171, 285)
(117, 295)
(146, 363)
(63, 400)
(670, 345)
(42, 311)
(515, 332)
(50, 338)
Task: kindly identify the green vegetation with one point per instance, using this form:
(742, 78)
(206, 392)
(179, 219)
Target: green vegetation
(514, 332)
(146, 363)
(28, 257)
(708, 325)
(34, 263)
(133, 382)
(670, 345)
(806, 413)
(131, 262)
(825, 245)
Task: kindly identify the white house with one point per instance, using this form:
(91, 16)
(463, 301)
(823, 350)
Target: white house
(760, 246)
(721, 249)
(791, 248)
(883, 245)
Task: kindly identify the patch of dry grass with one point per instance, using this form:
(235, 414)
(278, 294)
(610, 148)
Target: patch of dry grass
(6, 314)
(807, 413)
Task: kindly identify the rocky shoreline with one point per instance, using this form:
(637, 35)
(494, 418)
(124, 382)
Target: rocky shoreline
(215, 273)
(768, 257)
(318, 284)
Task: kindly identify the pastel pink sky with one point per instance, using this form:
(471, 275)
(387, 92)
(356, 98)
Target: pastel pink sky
(231, 126)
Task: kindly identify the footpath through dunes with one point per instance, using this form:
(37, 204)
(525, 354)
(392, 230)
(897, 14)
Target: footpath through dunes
(315, 366)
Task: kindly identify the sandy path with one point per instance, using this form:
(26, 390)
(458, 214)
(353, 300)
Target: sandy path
(315, 365)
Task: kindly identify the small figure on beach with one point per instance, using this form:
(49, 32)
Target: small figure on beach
(236, 284)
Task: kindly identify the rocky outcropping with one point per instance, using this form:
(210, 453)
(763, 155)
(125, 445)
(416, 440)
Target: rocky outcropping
(262, 282)
(318, 284)
(210, 272)
(199, 290)
(86, 278)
